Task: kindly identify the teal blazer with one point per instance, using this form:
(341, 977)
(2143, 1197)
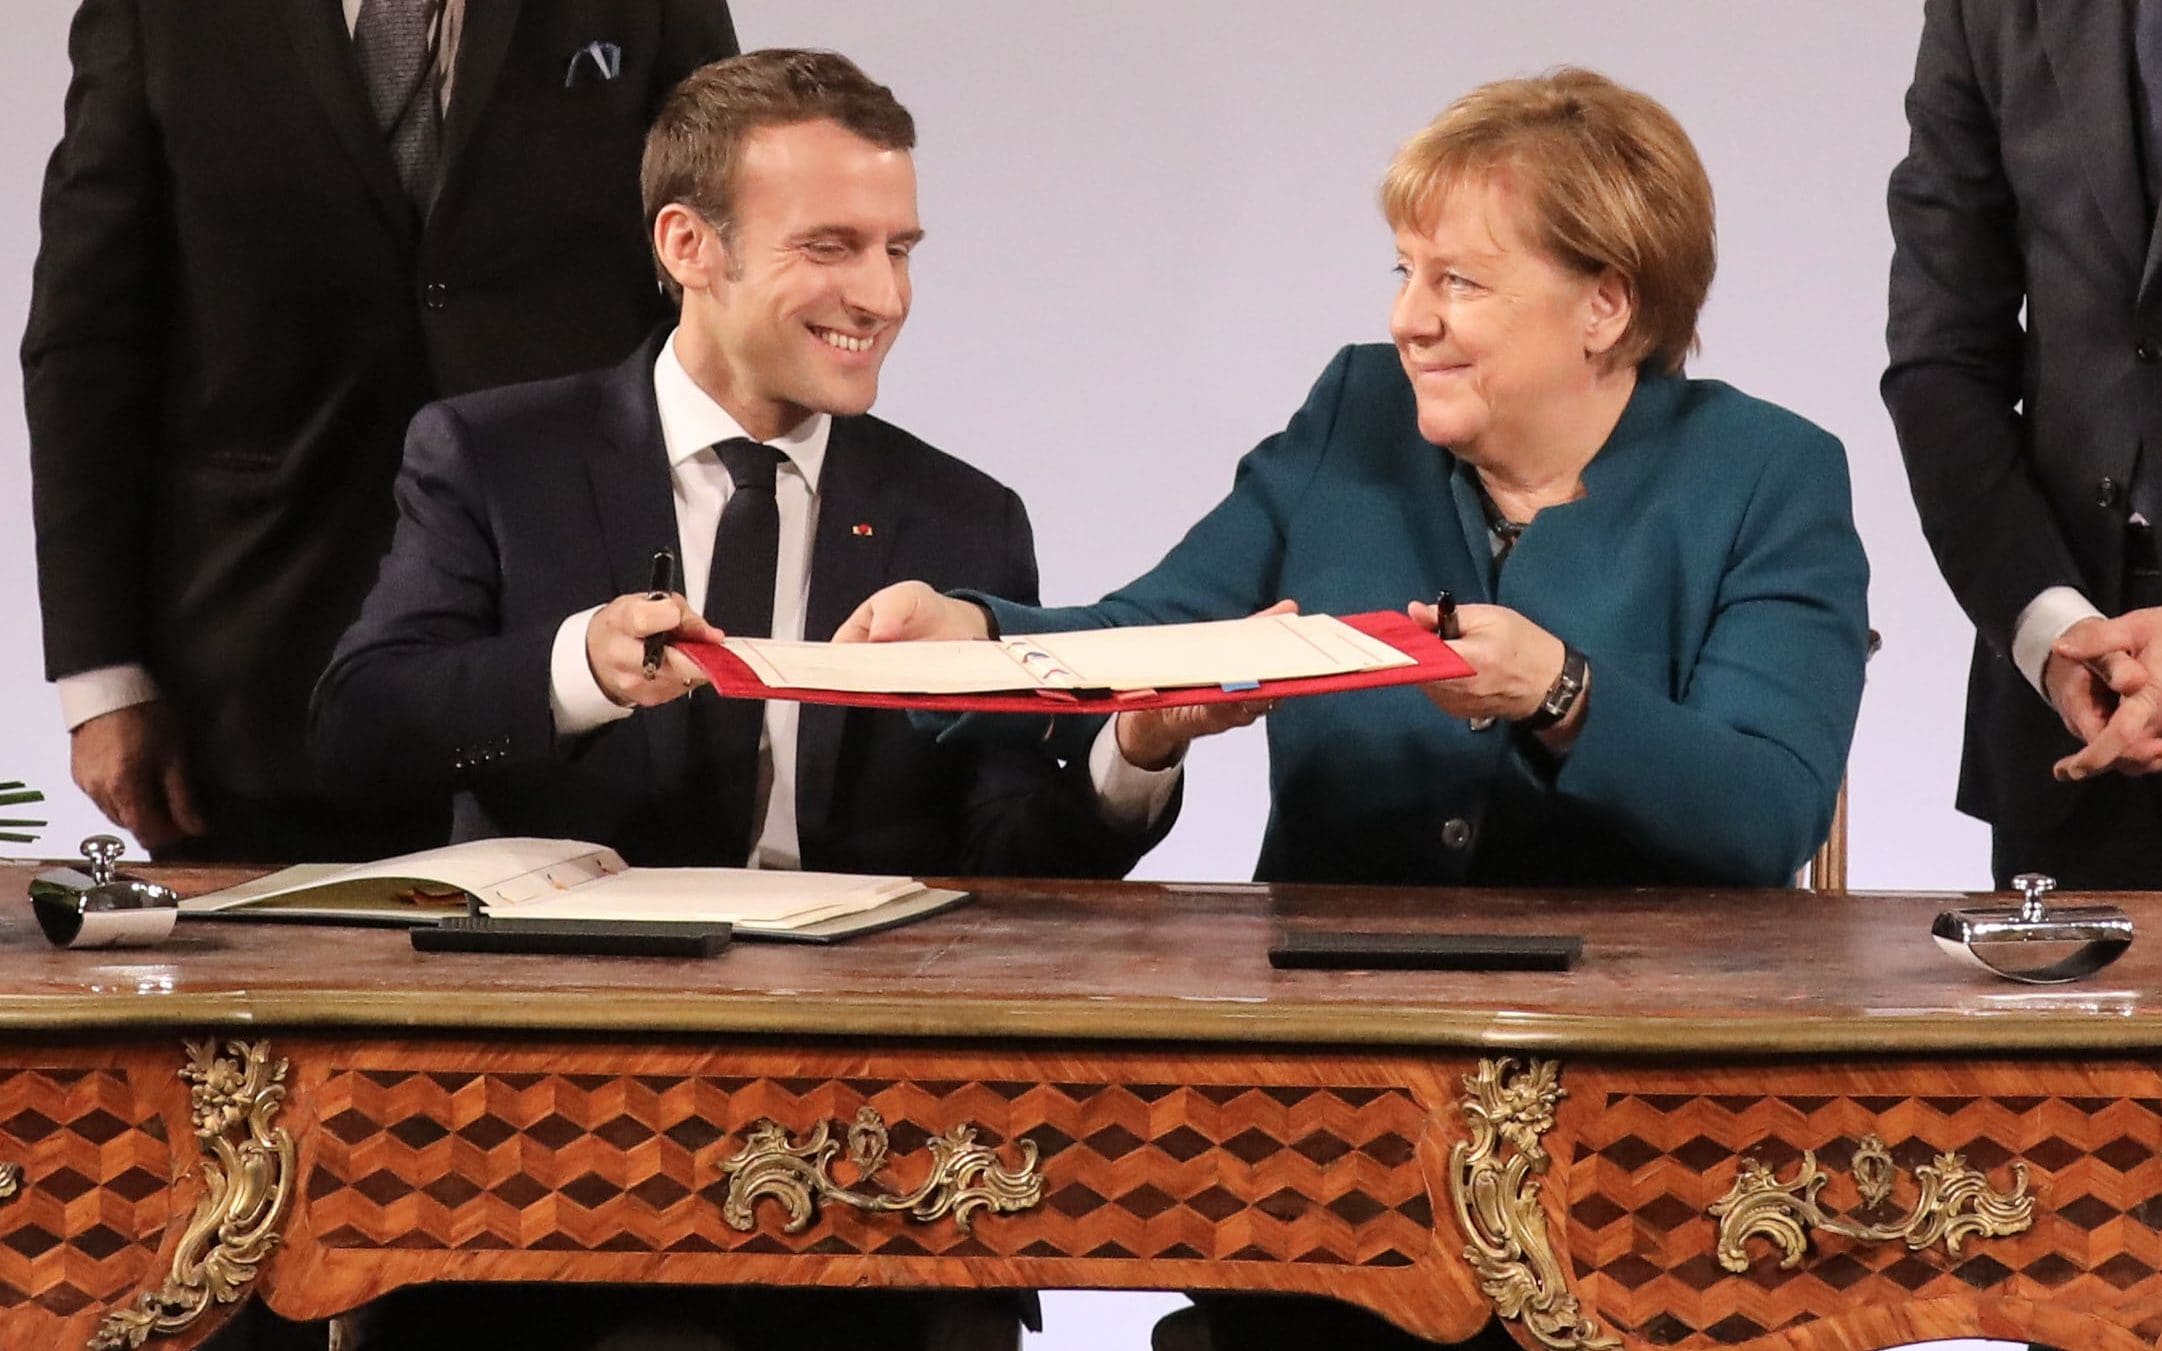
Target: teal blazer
(1710, 573)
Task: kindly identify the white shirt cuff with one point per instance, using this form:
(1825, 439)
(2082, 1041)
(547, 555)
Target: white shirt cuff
(574, 696)
(2042, 623)
(1131, 798)
(106, 689)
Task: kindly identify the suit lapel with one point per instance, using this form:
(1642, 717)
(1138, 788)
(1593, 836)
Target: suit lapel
(858, 519)
(627, 469)
(325, 50)
(2088, 43)
(483, 42)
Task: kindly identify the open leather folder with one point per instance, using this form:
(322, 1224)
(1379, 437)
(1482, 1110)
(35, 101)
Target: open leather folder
(1097, 670)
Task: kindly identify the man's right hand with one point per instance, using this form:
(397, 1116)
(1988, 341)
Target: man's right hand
(616, 648)
(130, 763)
(2104, 678)
(908, 611)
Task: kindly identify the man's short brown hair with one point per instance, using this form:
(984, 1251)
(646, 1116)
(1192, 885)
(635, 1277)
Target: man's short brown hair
(1609, 178)
(694, 144)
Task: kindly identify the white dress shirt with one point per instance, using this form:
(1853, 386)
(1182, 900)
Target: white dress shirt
(691, 425)
(2041, 624)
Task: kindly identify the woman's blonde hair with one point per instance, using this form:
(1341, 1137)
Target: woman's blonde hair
(1609, 180)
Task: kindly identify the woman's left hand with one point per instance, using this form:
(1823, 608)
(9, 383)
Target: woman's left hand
(1514, 663)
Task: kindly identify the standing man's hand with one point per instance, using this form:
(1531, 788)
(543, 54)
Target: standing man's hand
(2104, 677)
(130, 763)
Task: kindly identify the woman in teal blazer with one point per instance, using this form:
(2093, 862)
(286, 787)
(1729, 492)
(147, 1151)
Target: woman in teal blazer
(1666, 594)
(1709, 573)
(1681, 553)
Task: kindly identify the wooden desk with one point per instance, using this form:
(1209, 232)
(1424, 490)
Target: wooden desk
(1152, 1107)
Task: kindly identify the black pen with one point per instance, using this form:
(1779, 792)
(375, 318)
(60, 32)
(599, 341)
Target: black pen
(663, 581)
(1445, 625)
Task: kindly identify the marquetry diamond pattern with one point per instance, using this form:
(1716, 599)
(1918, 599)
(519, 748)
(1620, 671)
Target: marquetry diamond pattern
(563, 1162)
(1645, 1168)
(93, 1206)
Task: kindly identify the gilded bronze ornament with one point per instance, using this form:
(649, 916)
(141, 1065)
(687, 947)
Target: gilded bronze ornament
(1955, 1203)
(11, 1181)
(248, 1171)
(965, 1177)
(1493, 1181)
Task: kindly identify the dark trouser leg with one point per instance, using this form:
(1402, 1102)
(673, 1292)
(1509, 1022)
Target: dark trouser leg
(306, 830)
(2112, 841)
(1266, 1322)
(662, 1318)
(256, 1328)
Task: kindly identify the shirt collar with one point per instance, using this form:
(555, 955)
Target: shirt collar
(691, 421)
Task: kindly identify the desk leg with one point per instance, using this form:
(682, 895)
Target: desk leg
(247, 1175)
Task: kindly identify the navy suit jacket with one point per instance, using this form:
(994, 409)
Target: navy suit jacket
(520, 506)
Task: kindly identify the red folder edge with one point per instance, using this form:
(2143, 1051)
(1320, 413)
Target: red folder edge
(1433, 660)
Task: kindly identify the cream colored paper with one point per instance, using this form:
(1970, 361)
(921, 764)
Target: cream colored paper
(1159, 656)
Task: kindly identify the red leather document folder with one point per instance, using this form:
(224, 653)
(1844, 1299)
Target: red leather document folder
(1432, 659)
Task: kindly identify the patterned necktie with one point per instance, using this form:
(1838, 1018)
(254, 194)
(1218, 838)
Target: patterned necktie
(394, 41)
(739, 602)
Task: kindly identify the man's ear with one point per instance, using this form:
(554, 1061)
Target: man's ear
(688, 246)
(1611, 304)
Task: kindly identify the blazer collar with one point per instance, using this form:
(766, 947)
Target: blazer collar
(861, 512)
(2088, 44)
(634, 501)
(483, 42)
(325, 52)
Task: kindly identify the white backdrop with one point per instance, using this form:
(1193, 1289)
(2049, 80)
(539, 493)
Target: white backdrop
(1150, 225)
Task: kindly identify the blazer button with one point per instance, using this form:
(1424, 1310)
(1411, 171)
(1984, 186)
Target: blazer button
(2105, 492)
(435, 295)
(1456, 833)
(2147, 351)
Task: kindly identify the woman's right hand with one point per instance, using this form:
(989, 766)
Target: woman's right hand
(908, 611)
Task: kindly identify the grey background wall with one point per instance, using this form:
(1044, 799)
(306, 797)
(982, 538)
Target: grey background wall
(1151, 224)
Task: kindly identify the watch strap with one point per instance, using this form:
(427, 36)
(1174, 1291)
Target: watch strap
(1562, 695)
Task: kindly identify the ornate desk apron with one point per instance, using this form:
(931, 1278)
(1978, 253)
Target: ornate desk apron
(1595, 1188)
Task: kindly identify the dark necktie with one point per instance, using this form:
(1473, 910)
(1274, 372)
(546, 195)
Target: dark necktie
(739, 602)
(2147, 51)
(394, 42)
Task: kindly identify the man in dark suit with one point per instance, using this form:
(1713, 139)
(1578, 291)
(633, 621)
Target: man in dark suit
(271, 232)
(2026, 386)
(501, 652)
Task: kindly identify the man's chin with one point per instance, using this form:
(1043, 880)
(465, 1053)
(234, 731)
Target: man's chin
(849, 400)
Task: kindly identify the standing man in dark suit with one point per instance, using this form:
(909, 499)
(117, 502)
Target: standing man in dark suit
(271, 232)
(2026, 387)
(501, 652)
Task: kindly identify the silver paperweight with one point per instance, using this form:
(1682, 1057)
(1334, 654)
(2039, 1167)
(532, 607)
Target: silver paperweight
(94, 906)
(2034, 941)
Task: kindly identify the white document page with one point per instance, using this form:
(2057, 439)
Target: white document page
(494, 870)
(881, 668)
(1227, 651)
(1160, 656)
(749, 897)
